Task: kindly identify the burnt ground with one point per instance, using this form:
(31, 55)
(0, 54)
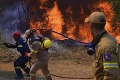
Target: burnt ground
(76, 64)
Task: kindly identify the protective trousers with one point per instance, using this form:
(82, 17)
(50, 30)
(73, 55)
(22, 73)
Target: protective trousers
(20, 63)
(43, 65)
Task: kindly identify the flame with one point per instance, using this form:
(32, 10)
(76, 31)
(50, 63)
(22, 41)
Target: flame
(117, 34)
(70, 25)
(42, 3)
(74, 30)
(55, 21)
(107, 9)
(84, 30)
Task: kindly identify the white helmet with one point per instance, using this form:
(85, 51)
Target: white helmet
(27, 32)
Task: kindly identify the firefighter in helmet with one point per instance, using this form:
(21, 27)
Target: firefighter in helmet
(40, 46)
(104, 48)
(23, 48)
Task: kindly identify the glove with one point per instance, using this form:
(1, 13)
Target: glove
(6, 44)
(91, 49)
(26, 54)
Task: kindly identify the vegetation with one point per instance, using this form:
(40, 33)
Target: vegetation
(116, 9)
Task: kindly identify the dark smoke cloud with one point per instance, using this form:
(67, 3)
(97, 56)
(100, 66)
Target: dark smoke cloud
(5, 4)
(12, 16)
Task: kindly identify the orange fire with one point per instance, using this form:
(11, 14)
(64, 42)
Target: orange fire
(56, 22)
(42, 3)
(106, 8)
(70, 25)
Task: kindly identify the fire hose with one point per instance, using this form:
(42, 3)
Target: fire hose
(65, 37)
(44, 30)
(68, 38)
(60, 34)
(63, 76)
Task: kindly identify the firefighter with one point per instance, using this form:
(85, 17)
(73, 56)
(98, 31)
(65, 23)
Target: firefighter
(22, 47)
(104, 48)
(40, 46)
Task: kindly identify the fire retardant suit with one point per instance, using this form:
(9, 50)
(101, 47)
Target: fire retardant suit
(22, 47)
(106, 59)
(42, 56)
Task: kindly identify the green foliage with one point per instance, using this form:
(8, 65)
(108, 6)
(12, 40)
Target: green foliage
(116, 9)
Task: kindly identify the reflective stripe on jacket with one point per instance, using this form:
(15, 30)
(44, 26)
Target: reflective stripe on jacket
(22, 46)
(106, 59)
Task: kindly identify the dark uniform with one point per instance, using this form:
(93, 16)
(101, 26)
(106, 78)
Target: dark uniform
(22, 47)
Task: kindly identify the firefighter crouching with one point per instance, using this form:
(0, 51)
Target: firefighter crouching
(40, 46)
(22, 47)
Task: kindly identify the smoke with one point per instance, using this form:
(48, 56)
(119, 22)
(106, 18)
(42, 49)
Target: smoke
(12, 19)
(58, 48)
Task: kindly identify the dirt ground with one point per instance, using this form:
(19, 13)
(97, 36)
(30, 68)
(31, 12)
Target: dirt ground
(73, 66)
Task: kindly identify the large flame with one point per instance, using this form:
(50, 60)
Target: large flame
(55, 21)
(75, 30)
(106, 8)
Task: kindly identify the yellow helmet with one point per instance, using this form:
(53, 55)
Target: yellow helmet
(46, 44)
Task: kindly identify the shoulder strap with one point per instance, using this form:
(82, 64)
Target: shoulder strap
(40, 39)
(97, 38)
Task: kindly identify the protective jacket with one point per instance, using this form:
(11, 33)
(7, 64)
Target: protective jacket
(21, 61)
(21, 46)
(42, 56)
(106, 58)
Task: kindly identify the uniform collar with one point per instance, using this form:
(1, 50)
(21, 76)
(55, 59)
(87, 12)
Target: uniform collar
(97, 38)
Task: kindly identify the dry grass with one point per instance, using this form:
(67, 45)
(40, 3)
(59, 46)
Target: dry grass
(74, 63)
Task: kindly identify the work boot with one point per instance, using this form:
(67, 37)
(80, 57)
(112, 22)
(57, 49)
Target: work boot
(19, 77)
(48, 77)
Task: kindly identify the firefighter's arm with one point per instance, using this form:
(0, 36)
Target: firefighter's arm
(35, 48)
(110, 64)
(27, 49)
(10, 45)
